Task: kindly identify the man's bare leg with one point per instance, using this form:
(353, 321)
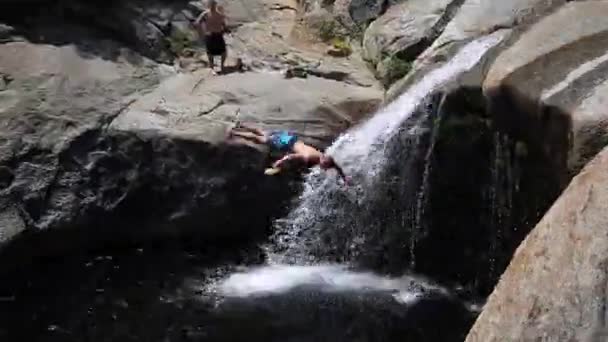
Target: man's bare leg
(251, 129)
(259, 139)
(211, 60)
(223, 61)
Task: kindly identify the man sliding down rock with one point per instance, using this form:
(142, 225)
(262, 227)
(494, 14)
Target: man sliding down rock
(295, 151)
(212, 25)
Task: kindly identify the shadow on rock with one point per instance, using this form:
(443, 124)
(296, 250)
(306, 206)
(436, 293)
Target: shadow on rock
(146, 27)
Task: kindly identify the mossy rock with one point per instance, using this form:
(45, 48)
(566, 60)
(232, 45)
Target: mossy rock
(392, 69)
(340, 47)
(182, 43)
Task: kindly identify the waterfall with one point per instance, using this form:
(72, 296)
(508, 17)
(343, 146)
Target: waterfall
(383, 156)
(423, 194)
(501, 191)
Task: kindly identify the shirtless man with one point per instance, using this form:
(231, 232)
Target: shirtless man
(288, 143)
(212, 25)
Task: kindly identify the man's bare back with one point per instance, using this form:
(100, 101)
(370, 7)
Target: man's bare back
(212, 25)
(308, 154)
(214, 21)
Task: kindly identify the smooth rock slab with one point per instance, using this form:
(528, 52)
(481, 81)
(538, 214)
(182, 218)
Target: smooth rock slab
(555, 72)
(203, 107)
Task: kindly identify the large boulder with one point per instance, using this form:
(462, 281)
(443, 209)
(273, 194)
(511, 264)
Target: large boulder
(403, 32)
(354, 12)
(474, 19)
(57, 100)
(554, 78)
(555, 287)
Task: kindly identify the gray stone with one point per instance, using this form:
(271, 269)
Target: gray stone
(5, 32)
(55, 99)
(364, 11)
(557, 71)
(403, 31)
(475, 18)
(555, 287)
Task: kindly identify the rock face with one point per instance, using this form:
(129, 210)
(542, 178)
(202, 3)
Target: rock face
(349, 12)
(364, 11)
(403, 32)
(55, 98)
(147, 26)
(474, 19)
(100, 144)
(556, 73)
(567, 252)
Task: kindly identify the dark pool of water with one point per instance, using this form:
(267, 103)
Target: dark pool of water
(156, 294)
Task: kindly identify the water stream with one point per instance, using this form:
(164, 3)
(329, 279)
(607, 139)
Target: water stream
(390, 140)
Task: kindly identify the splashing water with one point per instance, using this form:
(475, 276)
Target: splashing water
(277, 279)
(338, 225)
(422, 196)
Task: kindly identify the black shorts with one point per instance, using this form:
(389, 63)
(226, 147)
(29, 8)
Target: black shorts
(215, 44)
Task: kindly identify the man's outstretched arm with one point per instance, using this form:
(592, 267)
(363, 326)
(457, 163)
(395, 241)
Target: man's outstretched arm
(290, 157)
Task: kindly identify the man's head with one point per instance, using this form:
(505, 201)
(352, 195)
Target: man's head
(212, 4)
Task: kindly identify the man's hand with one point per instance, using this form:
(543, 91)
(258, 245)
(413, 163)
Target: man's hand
(348, 181)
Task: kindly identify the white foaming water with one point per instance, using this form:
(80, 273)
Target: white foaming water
(277, 279)
(361, 152)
